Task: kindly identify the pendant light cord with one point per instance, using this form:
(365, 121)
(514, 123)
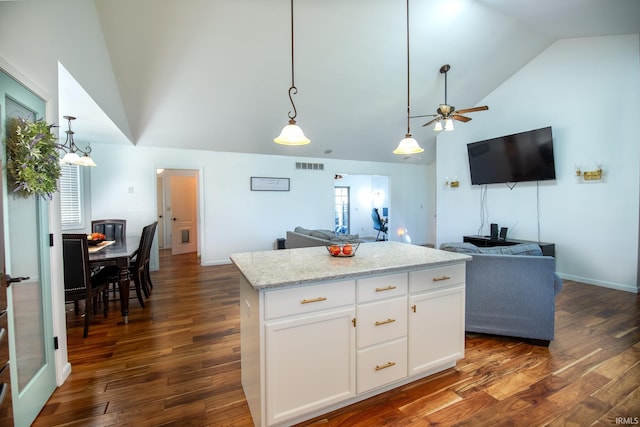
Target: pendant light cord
(293, 89)
(408, 79)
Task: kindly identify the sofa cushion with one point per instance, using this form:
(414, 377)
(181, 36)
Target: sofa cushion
(469, 248)
(461, 247)
(519, 249)
(323, 234)
(302, 230)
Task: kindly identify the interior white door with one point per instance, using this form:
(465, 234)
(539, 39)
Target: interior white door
(183, 211)
(26, 242)
(160, 209)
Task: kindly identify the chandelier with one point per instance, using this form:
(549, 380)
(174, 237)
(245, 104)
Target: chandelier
(73, 154)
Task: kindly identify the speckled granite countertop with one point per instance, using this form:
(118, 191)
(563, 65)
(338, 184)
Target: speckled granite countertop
(298, 266)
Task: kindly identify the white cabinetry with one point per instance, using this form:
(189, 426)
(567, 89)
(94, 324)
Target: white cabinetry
(311, 348)
(305, 375)
(436, 317)
(382, 330)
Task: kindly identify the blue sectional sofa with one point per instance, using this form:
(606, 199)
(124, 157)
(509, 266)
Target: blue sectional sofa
(510, 290)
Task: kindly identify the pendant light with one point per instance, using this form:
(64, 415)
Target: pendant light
(408, 145)
(71, 149)
(292, 134)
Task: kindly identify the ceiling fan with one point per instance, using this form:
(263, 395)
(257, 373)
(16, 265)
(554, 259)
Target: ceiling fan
(448, 113)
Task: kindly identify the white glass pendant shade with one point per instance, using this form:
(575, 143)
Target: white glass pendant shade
(292, 135)
(448, 125)
(85, 161)
(408, 146)
(438, 126)
(71, 157)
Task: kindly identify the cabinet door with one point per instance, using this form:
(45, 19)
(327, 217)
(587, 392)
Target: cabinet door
(310, 363)
(436, 328)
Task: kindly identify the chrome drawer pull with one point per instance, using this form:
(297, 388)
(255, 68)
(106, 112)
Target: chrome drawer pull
(307, 301)
(387, 288)
(438, 279)
(384, 322)
(386, 365)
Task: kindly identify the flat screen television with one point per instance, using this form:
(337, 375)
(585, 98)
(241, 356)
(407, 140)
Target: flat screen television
(524, 156)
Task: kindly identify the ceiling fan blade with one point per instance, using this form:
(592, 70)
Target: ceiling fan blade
(432, 121)
(471, 110)
(424, 115)
(460, 118)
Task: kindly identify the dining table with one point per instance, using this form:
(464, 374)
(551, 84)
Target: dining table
(116, 253)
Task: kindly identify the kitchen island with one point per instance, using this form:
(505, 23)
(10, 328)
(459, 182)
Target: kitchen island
(321, 332)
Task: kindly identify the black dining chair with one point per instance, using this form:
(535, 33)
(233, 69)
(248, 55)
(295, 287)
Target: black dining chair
(113, 229)
(79, 283)
(138, 267)
(147, 260)
(116, 230)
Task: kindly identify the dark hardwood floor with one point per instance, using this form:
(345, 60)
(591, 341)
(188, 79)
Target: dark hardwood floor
(177, 363)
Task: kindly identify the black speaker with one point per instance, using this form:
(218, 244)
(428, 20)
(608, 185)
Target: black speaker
(503, 233)
(494, 231)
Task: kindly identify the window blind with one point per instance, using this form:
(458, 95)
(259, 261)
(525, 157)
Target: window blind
(70, 200)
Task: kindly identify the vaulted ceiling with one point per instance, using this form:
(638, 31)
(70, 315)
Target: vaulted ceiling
(214, 74)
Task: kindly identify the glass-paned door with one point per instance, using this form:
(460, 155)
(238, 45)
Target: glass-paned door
(26, 244)
(341, 210)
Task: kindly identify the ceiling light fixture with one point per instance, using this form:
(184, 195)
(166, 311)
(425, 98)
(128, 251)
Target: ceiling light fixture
(408, 145)
(71, 149)
(448, 125)
(292, 133)
(448, 113)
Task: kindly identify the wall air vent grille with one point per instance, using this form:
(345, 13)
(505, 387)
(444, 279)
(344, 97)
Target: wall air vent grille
(310, 166)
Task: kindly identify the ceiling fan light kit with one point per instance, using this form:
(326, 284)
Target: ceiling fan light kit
(448, 113)
(448, 125)
(408, 145)
(292, 133)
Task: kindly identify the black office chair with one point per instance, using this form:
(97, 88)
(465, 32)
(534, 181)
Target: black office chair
(79, 283)
(114, 229)
(379, 224)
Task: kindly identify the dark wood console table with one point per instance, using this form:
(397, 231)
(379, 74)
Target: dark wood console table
(548, 249)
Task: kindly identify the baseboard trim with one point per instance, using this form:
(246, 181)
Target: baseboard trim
(601, 283)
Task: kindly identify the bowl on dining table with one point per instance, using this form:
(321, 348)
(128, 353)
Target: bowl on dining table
(95, 239)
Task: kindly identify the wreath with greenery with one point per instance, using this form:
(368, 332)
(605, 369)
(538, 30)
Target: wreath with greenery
(33, 162)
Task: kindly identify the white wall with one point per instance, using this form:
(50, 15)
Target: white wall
(73, 38)
(235, 219)
(588, 90)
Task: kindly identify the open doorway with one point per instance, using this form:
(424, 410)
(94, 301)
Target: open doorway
(355, 197)
(177, 202)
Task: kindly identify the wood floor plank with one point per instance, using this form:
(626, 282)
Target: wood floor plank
(177, 363)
